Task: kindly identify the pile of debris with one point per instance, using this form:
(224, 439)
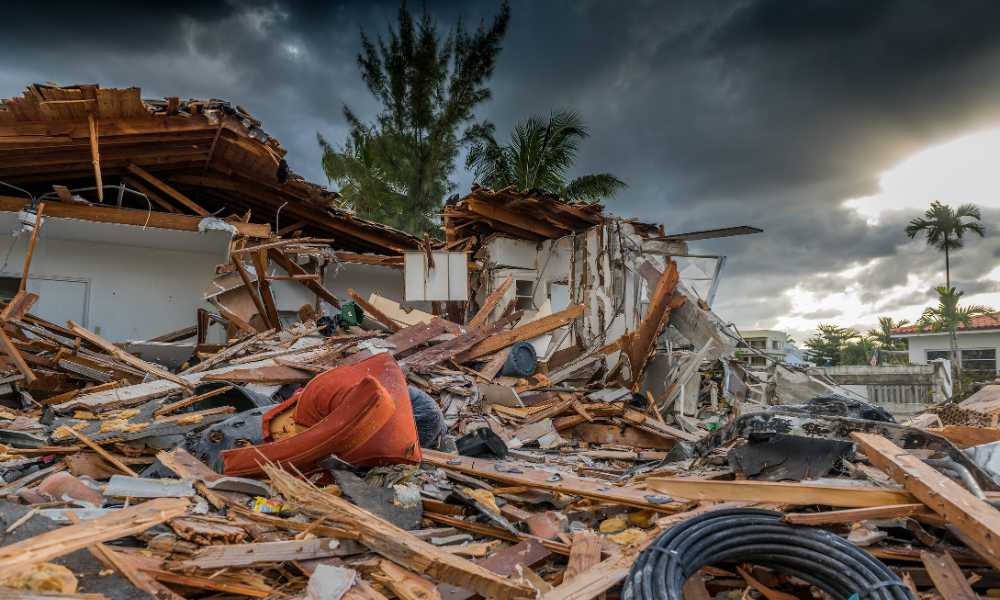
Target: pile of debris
(362, 457)
(542, 405)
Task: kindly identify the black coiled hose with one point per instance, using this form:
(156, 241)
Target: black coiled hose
(816, 556)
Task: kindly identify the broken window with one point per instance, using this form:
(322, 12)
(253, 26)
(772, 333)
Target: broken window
(524, 290)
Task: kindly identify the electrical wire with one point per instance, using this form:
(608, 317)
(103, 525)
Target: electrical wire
(755, 536)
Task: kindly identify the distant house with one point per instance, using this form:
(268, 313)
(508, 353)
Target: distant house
(772, 344)
(978, 344)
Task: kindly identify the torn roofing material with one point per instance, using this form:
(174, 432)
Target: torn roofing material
(200, 157)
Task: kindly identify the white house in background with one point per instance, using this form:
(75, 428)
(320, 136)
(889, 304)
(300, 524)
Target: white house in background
(771, 343)
(978, 344)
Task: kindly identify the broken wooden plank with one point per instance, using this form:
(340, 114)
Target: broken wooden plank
(273, 375)
(292, 268)
(854, 515)
(264, 289)
(39, 212)
(95, 154)
(59, 542)
(504, 562)
(639, 346)
(100, 451)
(648, 424)
(494, 532)
(394, 543)
(373, 311)
(126, 567)
(243, 555)
(974, 518)
(584, 554)
(252, 290)
(16, 357)
(947, 576)
(490, 303)
(186, 402)
(445, 351)
(547, 480)
(18, 306)
(129, 216)
(125, 357)
(779, 492)
(168, 189)
(524, 332)
(405, 584)
(207, 583)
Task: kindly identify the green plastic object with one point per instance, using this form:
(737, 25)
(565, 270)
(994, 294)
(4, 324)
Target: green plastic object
(350, 314)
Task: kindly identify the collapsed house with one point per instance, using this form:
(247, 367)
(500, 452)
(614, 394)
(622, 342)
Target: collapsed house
(169, 185)
(320, 407)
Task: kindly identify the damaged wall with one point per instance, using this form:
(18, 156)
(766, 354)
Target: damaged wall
(124, 282)
(598, 268)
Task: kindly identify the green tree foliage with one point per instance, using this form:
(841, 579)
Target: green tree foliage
(881, 339)
(948, 315)
(827, 347)
(396, 169)
(882, 336)
(945, 229)
(540, 154)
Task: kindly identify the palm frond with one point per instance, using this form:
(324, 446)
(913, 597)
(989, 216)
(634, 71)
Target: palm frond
(592, 188)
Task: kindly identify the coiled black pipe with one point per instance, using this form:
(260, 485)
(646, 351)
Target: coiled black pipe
(816, 556)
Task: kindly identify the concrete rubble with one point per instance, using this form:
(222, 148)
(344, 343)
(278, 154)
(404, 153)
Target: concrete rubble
(541, 405)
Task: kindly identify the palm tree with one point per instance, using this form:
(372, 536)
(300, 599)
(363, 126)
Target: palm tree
(539, 155)
(947, 316)
(882, 335)
(945, 229)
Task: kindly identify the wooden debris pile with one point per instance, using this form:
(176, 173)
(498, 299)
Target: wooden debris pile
(102, 473)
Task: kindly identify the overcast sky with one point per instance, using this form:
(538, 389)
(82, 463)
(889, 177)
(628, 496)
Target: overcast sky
(785, 115)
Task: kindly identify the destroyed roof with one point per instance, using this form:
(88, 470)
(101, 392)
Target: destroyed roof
(990, 321)
(531, 214)
(213, 154)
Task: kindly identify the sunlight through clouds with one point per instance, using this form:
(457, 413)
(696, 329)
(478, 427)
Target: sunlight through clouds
(956, 172)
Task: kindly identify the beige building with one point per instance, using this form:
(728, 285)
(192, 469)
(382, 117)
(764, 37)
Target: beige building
(767, 341)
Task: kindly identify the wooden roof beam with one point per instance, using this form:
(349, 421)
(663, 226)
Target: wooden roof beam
(167, 189)
(128, 216)
(300, 210)
(526, 222)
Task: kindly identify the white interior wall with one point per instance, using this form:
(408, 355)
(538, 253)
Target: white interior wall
(363, 279)
(134, 283)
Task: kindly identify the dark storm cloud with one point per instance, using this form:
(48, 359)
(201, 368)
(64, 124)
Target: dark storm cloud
(764, 112)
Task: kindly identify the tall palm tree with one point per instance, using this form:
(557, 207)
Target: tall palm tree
(947, 316)
(539, 155)
(945, 229)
